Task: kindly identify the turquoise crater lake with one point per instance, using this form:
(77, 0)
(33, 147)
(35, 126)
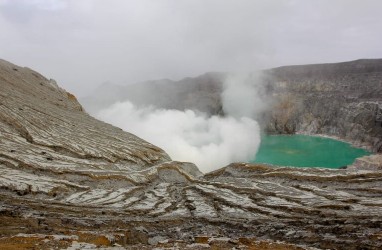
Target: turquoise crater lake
(306, 151)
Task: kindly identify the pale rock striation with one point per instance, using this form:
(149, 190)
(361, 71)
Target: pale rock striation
(69, 180)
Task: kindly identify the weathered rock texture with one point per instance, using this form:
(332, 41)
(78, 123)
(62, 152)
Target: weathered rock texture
(66, 177)
(343, 100)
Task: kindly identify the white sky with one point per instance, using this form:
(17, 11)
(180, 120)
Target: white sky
(83, 43)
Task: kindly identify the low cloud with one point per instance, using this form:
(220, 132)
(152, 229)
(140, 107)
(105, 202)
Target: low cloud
(84, 43)
(211, 142)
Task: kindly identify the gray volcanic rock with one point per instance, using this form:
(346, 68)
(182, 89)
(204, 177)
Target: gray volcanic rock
(199, 93)
(66, 177)
(341, 99)
(338, 99)
(44, 128)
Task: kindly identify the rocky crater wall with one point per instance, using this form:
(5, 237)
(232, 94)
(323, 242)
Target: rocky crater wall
(343, 100)
(65, 177)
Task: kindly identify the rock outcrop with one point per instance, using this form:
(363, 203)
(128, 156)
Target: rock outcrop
(67, 179)
(342, 100)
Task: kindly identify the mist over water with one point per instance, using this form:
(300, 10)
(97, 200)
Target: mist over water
(211, 142)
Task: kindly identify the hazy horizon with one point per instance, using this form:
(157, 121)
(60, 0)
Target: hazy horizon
(84, 43)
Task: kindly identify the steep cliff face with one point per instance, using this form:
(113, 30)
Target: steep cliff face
(339, 99)
(342, 99)
(67, 177)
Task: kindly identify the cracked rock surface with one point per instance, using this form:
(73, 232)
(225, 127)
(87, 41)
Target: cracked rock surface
(68, 179)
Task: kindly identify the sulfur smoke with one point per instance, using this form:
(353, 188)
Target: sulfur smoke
(211, 142)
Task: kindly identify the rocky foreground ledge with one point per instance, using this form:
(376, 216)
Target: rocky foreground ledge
(68, 180)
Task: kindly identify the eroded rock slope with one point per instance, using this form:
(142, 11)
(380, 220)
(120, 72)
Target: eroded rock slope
(65, 173)
(336, 99)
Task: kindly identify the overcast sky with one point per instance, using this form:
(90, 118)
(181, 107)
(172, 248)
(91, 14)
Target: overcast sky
(83, 43)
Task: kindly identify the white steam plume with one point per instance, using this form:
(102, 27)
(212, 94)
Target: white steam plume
(209, 142)
(242, 95)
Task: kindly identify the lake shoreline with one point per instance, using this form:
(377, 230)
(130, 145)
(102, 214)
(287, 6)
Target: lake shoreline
(306, 150)
(355, 144)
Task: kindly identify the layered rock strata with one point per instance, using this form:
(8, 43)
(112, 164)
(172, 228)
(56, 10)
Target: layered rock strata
(341, 100)
(66, 177)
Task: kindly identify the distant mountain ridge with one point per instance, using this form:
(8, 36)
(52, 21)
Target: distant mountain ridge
(356, 66)
(188, 93)
(324, 99)
(67, 179)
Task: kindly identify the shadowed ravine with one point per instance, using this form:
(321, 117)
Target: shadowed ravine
(66, 175)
